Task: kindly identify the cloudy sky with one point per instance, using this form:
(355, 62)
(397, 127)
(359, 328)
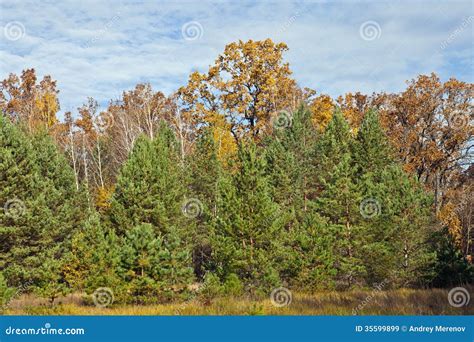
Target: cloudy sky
(100, 48)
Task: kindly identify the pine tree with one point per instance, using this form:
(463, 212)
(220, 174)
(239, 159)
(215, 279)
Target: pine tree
(289, 158)
(372, 161)
(410, 211)
(288, 154)
(155, 267)
(42, 210)
(248, 228)
(338, 199)
(206, 171)
(94, 259)
(62, 213)
(19, 191)
(150, 186)
(146, 210)
(396, 232)
(372, 151)
(306, 259)
(310, 261)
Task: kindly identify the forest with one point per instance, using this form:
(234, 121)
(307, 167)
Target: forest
(239, 184)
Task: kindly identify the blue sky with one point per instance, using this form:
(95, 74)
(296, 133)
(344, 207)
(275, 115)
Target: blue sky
(101, 48)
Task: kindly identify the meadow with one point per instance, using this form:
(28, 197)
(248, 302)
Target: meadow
(361, 302)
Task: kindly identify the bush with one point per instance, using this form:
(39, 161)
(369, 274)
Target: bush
(211, 289)
(6, 293)
(233, 287)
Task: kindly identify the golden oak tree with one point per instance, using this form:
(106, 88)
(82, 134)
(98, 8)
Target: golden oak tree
(431, 126)
(248, 83)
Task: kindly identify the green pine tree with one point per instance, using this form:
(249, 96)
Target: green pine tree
(411, 219)
(372, 160)
(248, 228)
(205, 170)
(155, 268)
(396, 226)
(338, 199)
(94, 259)
(150, 187)
(41, 210)
(306, 259)
(147, 208)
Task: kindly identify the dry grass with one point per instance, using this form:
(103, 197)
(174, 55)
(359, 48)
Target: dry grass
(397, 302)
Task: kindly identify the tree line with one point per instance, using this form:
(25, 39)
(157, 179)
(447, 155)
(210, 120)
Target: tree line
(241, 180)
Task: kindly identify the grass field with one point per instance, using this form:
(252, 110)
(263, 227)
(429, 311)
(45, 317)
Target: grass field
(397, 302)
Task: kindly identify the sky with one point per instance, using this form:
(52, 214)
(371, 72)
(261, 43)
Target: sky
(101, 48)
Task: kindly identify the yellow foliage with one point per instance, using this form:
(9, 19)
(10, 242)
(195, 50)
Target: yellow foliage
(47, 106)
(225, 142)
(449, 217)
(104, 194)
(322, 108)
(247, 83)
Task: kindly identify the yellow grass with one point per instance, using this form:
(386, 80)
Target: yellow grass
(397, 302)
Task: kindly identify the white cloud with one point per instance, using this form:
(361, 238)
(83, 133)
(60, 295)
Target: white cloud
(100, 48)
